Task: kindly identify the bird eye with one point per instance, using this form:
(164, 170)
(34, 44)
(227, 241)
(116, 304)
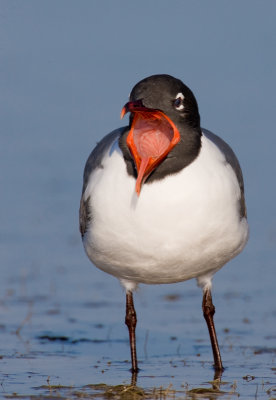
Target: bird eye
(179, 101)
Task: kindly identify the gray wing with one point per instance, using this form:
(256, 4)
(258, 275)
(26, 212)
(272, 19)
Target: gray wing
(233, 161)
(94, 161)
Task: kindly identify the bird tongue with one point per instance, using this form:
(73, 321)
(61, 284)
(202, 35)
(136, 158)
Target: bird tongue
(152, 136)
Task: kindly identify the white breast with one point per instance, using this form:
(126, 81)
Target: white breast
(184, 226)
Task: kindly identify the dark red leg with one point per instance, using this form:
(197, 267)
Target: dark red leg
(208, 312)
(131, 324)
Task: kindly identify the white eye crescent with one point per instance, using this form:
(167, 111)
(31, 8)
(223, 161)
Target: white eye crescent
(179, 101)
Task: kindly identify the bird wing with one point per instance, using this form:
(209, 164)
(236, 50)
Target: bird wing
(93, 162)
(233, 161)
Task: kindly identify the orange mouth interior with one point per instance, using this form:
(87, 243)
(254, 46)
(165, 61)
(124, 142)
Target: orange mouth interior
(151, 137)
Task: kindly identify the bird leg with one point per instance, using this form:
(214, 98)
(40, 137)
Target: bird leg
(208, 312)
(131, 324)
(134, 378)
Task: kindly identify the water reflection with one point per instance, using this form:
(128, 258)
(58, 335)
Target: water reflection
(209, 390)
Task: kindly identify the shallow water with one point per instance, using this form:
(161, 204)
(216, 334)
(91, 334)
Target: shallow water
(58, 344)
(62, 331)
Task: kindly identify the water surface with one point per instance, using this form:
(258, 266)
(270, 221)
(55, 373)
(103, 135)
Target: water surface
(66, 70)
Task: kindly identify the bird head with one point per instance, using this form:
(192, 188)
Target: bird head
(160, 106)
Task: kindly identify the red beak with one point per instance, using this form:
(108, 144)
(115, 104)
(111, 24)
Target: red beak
(151, 137)
(133, 106)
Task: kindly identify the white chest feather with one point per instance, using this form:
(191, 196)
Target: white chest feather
(184, 226)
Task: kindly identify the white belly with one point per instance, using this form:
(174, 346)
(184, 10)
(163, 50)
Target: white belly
(184, 226)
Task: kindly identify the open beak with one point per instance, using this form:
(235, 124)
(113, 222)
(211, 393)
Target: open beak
(133, 106)
(151, 137)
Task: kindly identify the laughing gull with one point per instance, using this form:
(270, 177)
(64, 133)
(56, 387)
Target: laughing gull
(163, 199)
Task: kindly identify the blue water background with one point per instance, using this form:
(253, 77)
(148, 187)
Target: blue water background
(67, 68)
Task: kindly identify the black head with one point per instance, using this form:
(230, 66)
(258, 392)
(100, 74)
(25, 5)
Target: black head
(170, 95)
(169, 104)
